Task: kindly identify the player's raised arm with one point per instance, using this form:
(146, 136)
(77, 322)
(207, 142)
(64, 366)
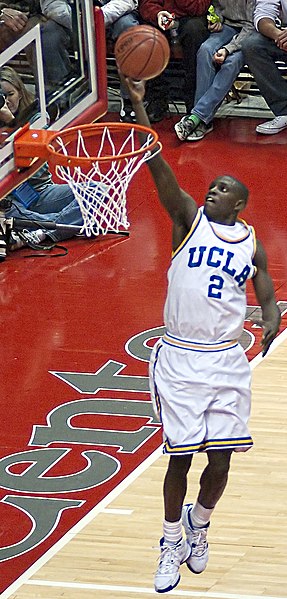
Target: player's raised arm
(265, 294)
(181, 206)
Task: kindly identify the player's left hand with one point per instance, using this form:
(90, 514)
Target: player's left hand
(270, 331)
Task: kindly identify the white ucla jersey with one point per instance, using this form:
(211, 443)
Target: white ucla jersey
(206, 298)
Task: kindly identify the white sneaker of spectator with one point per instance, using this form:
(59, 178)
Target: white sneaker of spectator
(26, 238)
(275, 126)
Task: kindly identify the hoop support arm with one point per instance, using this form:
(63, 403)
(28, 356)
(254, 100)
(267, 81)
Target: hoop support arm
(30, 144)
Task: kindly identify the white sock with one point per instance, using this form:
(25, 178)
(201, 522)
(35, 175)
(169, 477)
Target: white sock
(172, 531)
(200, 515)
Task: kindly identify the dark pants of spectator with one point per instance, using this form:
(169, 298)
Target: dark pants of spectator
(56, 41)
(192, 33)
(260, 54)
(130, 19)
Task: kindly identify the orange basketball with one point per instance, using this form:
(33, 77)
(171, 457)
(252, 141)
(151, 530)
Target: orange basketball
(142, 52)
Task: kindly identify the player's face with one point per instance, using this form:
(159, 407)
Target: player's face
(220, 200)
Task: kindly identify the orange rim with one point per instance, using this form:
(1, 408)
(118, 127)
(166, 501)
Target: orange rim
(90, 130)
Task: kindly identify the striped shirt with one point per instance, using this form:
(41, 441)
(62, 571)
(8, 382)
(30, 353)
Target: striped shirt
(271, 9)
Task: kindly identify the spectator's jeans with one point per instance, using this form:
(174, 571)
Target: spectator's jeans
(192, 32)
(56, 41)
(56, 203)
(260, 53)
(129, 20)
(213, 82)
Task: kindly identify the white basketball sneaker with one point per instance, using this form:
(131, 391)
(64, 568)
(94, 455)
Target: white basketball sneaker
(171, 557)
(196, 538)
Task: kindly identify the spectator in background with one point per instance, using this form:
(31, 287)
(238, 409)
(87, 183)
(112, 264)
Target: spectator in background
(267, 45)
(119, 15)
(39, 198)
(18, 99)
(219, 60)
(192, 31)
(55, 21)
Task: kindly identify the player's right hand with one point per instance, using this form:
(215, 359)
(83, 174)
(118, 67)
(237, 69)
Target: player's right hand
(136, 89)
(14, 19)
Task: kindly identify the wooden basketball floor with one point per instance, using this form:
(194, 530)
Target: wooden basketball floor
(74, 313)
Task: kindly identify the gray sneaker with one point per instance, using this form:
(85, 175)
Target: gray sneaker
(184, 128)
(171, 557)
(200, 132)
(196, 538)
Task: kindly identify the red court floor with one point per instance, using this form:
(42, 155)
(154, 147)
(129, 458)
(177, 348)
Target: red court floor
(77, 328)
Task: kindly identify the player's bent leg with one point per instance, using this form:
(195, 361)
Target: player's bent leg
(174, 550)
(214, 477)
(212, 484)
(175, 485)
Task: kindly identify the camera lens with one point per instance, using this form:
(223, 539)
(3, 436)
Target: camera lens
(2, 100)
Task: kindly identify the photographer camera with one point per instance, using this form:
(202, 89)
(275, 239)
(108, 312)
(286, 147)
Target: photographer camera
(2, 99)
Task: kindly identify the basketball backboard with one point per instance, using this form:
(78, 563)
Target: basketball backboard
(79, 98)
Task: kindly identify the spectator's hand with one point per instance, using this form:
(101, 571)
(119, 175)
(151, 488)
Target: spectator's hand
(282, 39)
(220, 56)
(165, 19)
(14, 19)
(214, 27)
(6, 115)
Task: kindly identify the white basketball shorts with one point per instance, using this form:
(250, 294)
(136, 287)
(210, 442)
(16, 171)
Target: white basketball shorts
(202, 398)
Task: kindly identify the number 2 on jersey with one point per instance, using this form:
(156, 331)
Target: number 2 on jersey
(215, 287)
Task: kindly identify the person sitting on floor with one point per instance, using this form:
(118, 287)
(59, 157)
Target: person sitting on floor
(190, 17)
(219, 60)
(39, 198)
(261, 51)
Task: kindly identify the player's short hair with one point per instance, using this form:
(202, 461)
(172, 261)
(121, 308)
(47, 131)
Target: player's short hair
(243, 190)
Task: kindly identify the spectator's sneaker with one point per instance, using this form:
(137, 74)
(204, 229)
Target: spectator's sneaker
(157, 110)
(127, 113)
(196, 538)
(171, 557)
(200, 132)
(26, 238)
(275, 126)
(185, 127)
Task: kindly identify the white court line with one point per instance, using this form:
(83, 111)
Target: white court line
(23, 579)
(144, 590)
(117, 511)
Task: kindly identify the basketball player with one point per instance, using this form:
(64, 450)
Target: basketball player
(199, 374)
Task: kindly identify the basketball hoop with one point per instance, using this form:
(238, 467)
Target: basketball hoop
(98, 161)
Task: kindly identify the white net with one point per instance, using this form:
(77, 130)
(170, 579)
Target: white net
(101, 189)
